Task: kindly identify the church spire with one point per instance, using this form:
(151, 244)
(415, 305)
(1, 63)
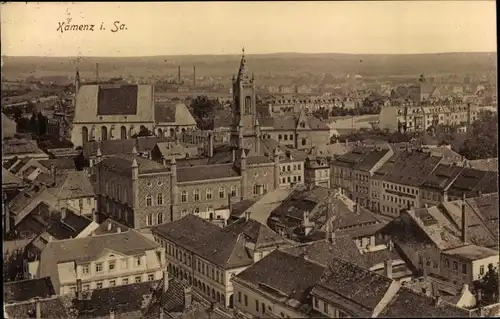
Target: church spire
(242, 74)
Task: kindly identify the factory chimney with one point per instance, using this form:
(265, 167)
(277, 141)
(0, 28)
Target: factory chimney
(97, 73)
(179, 74)
(194, 76)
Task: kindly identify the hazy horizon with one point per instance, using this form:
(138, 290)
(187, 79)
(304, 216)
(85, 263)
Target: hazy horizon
(223, 28)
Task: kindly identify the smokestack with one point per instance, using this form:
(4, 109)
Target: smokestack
(38, 310)
(464, 221)
(165, 280)
(210, 144)
(179, 74)
(194, 75)
(97, 73)
(388, 268)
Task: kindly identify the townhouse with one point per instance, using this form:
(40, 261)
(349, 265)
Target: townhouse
(209, 257)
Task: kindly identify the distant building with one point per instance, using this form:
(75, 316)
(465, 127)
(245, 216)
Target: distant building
(21, 149)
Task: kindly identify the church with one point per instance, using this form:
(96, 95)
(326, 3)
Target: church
(141, 193)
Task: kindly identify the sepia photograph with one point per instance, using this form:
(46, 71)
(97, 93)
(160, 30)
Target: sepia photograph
(253, 159)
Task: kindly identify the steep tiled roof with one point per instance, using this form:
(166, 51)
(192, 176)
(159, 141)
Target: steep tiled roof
(68, 227)
(112, 147)
(123, 299)
(442, 177)
(72, 184)
(9, 127)
(10, 180)
(486, 207)
(345, 281)
(471, 252)
(470, 181)
(17, 291)
(104, 227)
(117, 100)
(410, 304)
(19, 165)
(409, 168)
(17, 146)
(323, 251)
(222, 248)
(49, 308)
(272, 274)
(198, 173)
(260, 235)
(30, 197)
(63, 163)
(173, 113)
(290, 122)
(123, 164)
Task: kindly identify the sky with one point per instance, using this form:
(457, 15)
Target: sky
(176, 28)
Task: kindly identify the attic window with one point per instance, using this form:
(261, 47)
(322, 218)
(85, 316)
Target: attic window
(302, 124)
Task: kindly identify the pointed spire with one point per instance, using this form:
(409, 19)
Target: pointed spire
(172, 161)
(243, 154)
(98, 152)
(242, 74)
(134, 150)
(134, 163)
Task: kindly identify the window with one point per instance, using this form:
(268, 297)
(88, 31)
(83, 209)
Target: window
(86, 269)
(481, 270)
(183, 197)
(304, 142)
(159, 218)
(221, 192)
(279, 137)
(282, 315)
(209, 193)
(447, 263)
(464, 268)
(124, 263)
(72, 289)
(325, 307)
(138, 261)
(285, 137)
(455, 266)
(239, 296)
(151, 277)
(149, 200)
(124, 281)
(316, 303)
(233, 191)
(246, 300)
(112, 265)
(149, 184)
(98, 267)
(196, 210)
(149, 220)
(138, 279)
(183, 213)
(299, 167)
(112, 283)
(159, 183)
(196, 195)
(159, 199)
(256, 301)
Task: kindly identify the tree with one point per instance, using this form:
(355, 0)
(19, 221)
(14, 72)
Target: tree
(13, 267)
(203, 110)
(482, 138)
(488, 284)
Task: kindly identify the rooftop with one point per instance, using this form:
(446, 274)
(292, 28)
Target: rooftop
(122, 163)
(19, 147)
(471, 252)
(24, 290)
(256, 233)
(198, 173)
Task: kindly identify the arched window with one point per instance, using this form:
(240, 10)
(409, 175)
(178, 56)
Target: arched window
(248, 105)
(183, 213)
(183, 196)
(172, 132)
(159, 218)
(233, 191)
(196, 195)
(104, 133)
(160, 132)
(196, 211)
(123, 133)
(159, 199)
(209, 193)
(85, 134)
(221, 192)
(149, 220)
(279, 137)
(149, 200)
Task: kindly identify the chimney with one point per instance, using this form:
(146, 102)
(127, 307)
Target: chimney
(109, 226)
(97, 73)
(388, 268)
(94, 215)
(210, 144)
(38, 310)
(118, 230)
(247, 216)
(79, 295)
(464, 221)
(437, 301)
(179, 74)
(188, 297)
(165, 280)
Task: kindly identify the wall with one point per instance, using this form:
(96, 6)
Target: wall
(153, 185)
(259, 175)
(131, 128)
(88, 204)
(388, 118)
(291, 172)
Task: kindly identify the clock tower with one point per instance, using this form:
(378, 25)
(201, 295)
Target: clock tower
(245, 131)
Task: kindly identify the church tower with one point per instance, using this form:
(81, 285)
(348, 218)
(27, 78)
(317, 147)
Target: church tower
(245, 131)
